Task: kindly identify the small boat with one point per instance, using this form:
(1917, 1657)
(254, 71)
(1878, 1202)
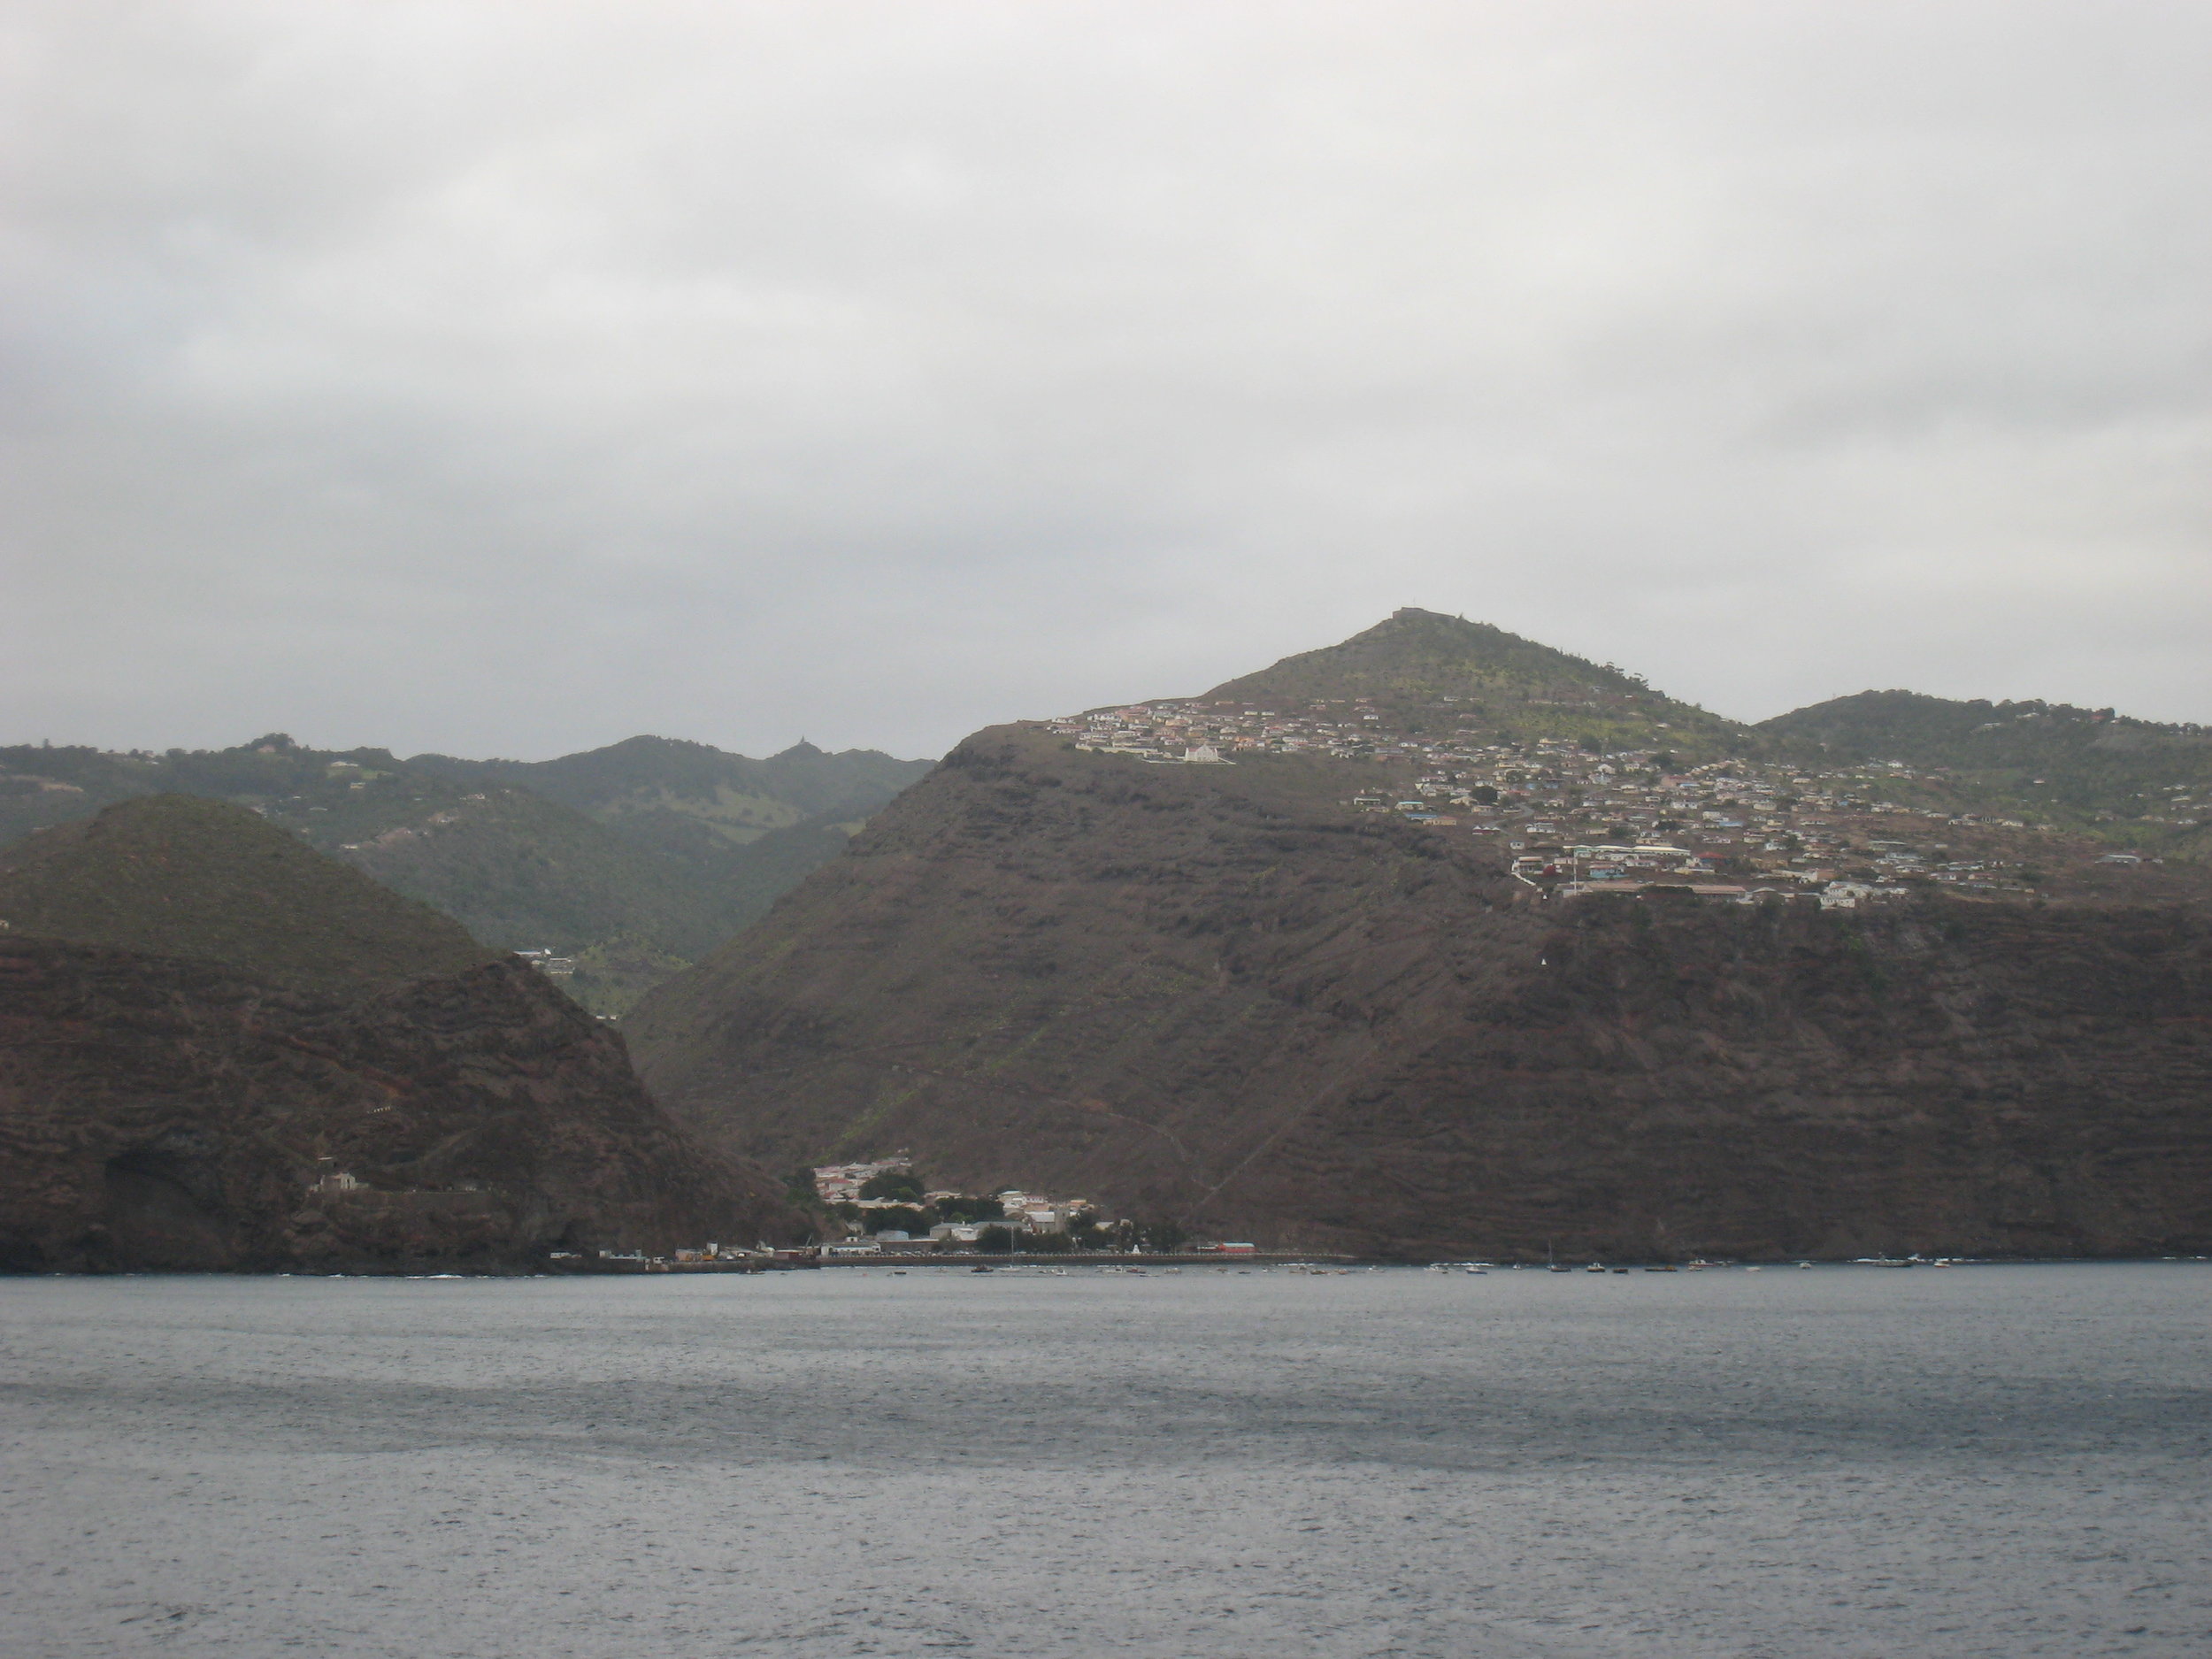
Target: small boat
(978, 1269)
(1594, 1267)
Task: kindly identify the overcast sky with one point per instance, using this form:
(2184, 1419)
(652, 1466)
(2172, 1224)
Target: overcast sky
(508, 378)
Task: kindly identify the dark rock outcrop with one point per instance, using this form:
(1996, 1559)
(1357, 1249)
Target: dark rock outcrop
(220, 1049)
(170, 1114)
(1214, 995)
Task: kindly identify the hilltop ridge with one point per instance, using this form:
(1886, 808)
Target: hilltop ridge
(2144, 785)
(673, 793)
(629, 860)
(177, 876)
(1418, 669)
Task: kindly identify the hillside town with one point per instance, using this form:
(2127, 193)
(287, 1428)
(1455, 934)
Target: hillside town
(1572, 818)
(885, 1208)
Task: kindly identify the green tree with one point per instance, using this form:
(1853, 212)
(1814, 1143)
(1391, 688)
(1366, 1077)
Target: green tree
(896, 1184)
(1162, 1236)
(967, 1208)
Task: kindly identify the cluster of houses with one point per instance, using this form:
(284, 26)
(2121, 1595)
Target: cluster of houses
(1018, 1212)
(1206, 734)
(1574, 818)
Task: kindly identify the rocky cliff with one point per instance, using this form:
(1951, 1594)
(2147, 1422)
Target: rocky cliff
(221, 1051)
(166, 1114)
(1217, 995)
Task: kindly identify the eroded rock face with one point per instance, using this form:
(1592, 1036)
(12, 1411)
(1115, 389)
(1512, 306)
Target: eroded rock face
(161, 1113)
(1213, 996)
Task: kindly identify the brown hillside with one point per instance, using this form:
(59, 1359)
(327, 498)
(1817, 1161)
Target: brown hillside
(1216, 994)
(172, 875)
(220, 1050)
(168, 1114)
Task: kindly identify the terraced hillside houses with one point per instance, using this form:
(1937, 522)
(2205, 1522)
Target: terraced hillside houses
(1572, 818)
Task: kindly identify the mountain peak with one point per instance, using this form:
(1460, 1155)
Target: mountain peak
(1413, 650)
(1416, 663)
(800, 750)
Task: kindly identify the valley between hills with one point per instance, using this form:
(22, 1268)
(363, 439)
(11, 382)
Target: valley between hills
(1436, 942)
(625, 862)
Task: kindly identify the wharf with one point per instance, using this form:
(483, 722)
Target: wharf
(1092, 1259)
(961, 1261)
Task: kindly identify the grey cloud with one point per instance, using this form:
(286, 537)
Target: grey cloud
(510, 379)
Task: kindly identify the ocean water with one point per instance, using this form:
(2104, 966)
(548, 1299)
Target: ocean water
(2001, 1461)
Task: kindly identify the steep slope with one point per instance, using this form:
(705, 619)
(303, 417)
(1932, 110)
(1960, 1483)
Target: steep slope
(220, 1050)
(1214, 995)
(173, 876)
(526, 873)
(1422, 671)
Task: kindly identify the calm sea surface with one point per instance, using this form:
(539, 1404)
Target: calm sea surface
(1985, 1461)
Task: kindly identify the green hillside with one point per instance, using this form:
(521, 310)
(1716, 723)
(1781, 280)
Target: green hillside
(631, 857)
(528, 873)
(2134, 782)
(1422, 671)
(693, 799)
(174, 876)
